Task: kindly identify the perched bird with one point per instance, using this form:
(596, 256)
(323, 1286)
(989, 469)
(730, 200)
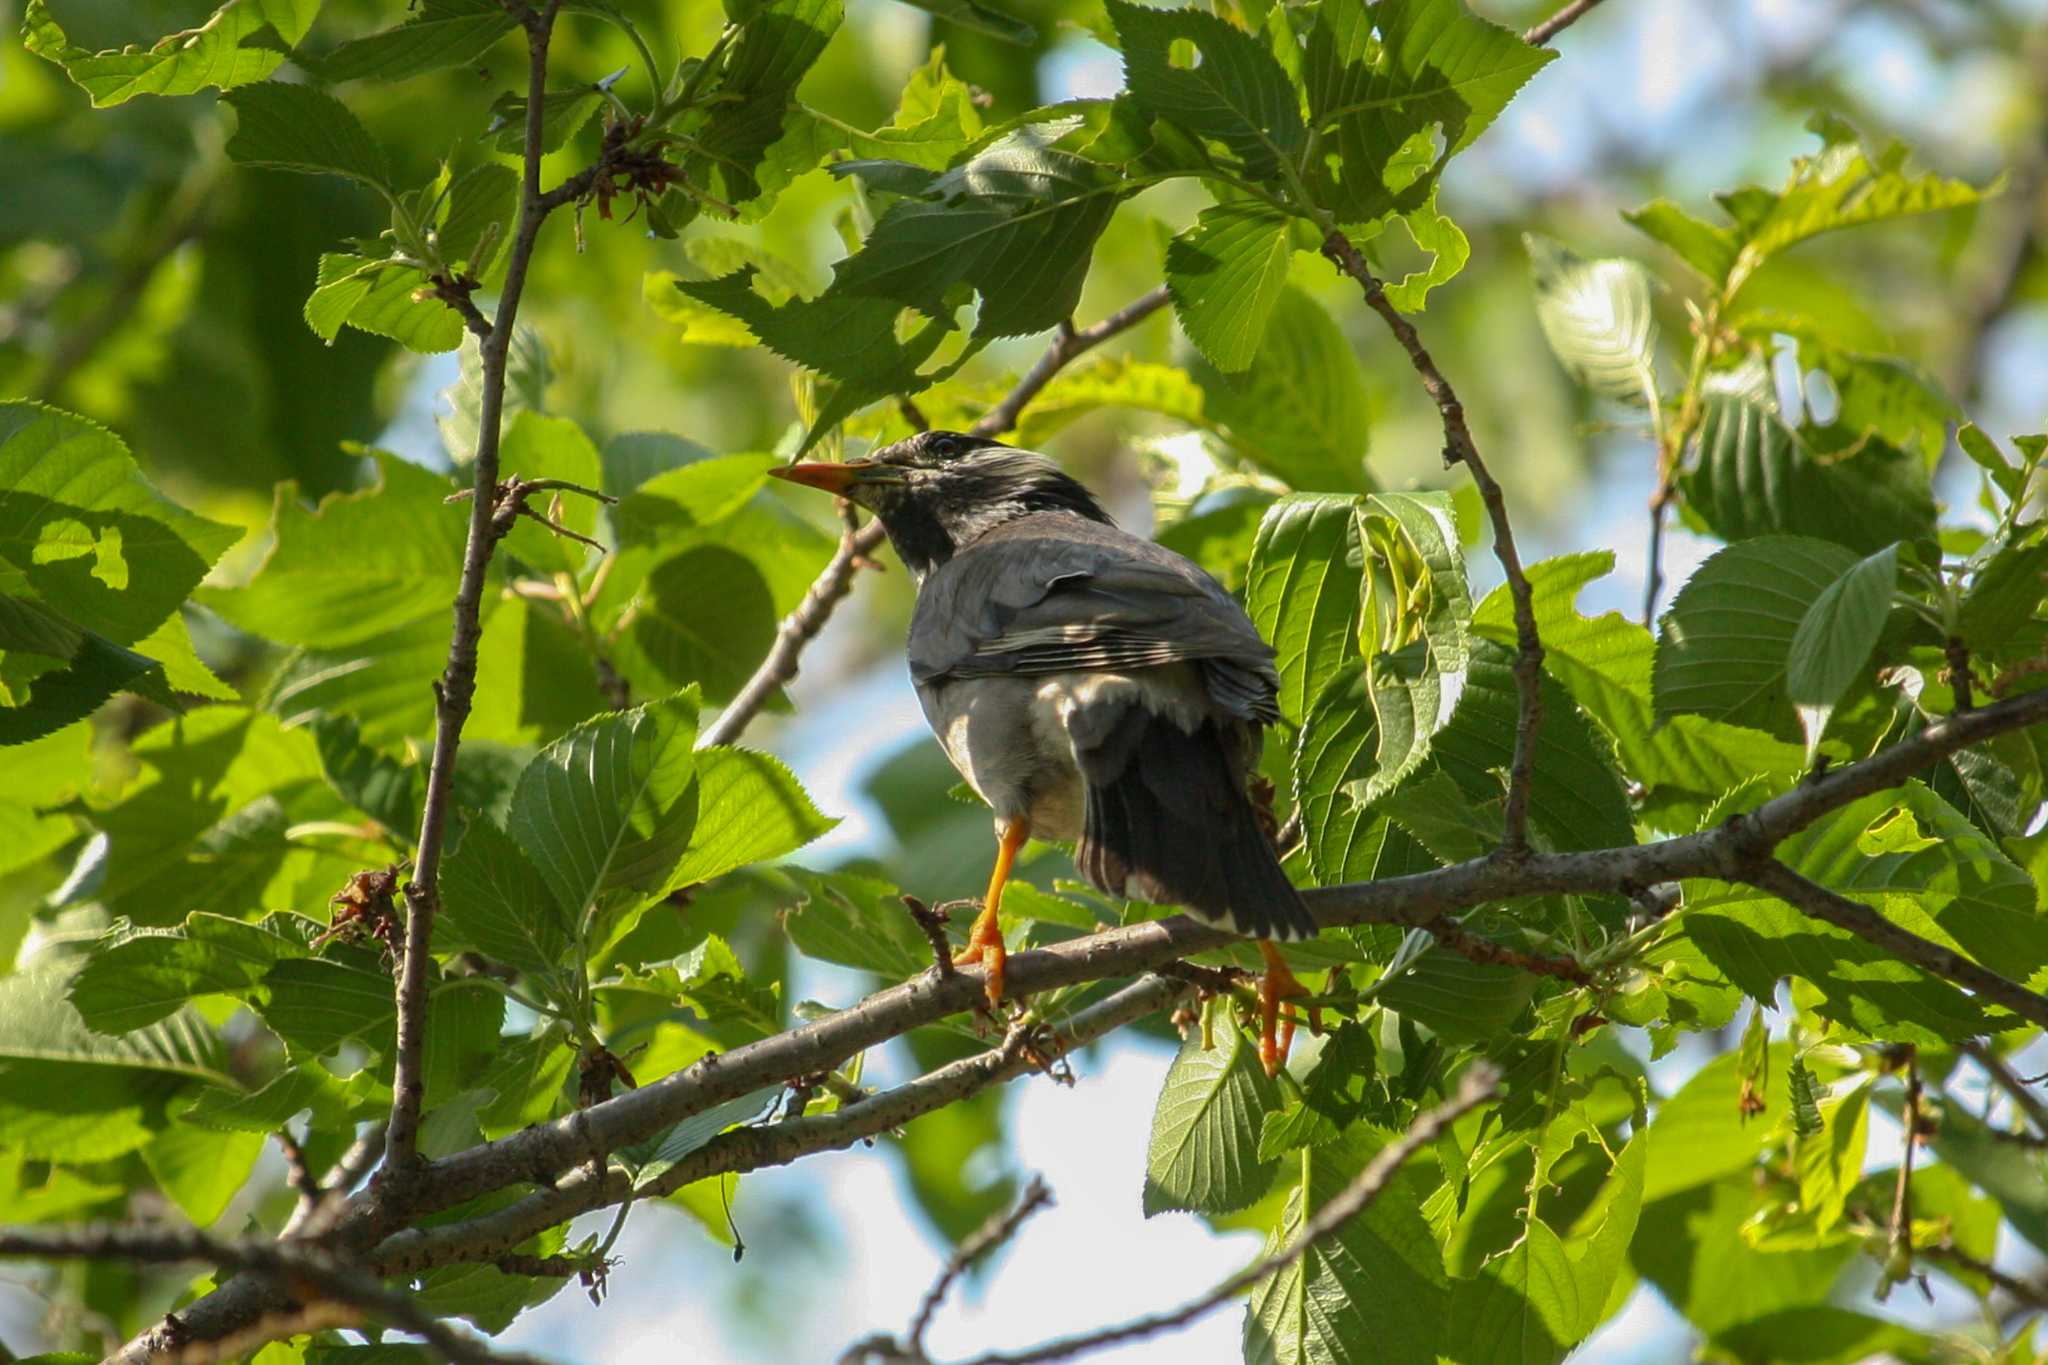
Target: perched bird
(1091, 685)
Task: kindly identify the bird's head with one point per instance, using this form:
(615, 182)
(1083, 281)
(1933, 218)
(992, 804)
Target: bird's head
(941, 490)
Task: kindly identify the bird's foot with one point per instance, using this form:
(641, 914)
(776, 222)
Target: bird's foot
(985, 946)
(1276, 1028)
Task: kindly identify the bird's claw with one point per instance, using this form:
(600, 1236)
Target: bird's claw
(1276, 1029)
(985, 946)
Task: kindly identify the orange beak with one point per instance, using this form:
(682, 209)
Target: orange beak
(833, 478)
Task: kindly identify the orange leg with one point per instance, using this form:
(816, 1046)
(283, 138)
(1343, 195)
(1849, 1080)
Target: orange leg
(985, 939)
(1276, 1031)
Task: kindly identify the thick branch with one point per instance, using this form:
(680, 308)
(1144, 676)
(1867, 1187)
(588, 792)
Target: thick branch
(1460, 449)
(1479, 1085)
(1539, 34)
(1811, 898)
(304, 1273)
(457, 685)
(835, 580)
(775, 1144)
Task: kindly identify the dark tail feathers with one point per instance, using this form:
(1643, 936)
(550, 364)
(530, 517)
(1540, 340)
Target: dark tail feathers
(1168, 820)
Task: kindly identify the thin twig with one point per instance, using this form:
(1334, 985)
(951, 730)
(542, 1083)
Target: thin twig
(296, 1173)
(1480, 1084)
(2030, 1295)
(932, 923)
(1539, 34)
(306, 1272)
(990, 1235)
(1653, 578)
(454, 692)
(1068, 344)
(1811, 898)
(858, 545)
(1460, 449)
(1899, 1239)
(1476, 948)
(2008, 1080)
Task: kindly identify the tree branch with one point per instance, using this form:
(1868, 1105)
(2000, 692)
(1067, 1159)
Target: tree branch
(985, 1239)
(305, 1273)
(2008, 1080)
(1811, 898)
(1460, 449)
(1479, 1085)
(550, 1152)
(457, 686)
(1539, 34)
(835, 580)
(776, 1144)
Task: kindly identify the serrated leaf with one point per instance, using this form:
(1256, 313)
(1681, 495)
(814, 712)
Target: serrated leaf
(1204, 1151)
(1375, 1285)
(562, 113)
(441, 33)
(1605, 662)
(378, 297)
(1725, 643)
(606, 811)
(1835, 637)
(1596, 316)
(980, 18)
(38, 1023)
(1300, 410)
(1302, 591)
(1226, 274)
(1707, 249)
(857, 922)
(201, 1171)
(134, 977)
(496, 900)
(1111, 382)
(1755, 476)
(358, 565)
(242, 41)
(752, 809)
(1233, 90)
(1386, 84)
(299, 128)
(1015, 223)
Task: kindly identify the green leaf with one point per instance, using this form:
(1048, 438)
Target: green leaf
(1835, 637)
(1533, 1303)
(1233, 90)
(1683, 761)
(1756, 476)
(1204, 1152)
(1707, 249)
(1346, 841)
(848, 338)
(777, 44)
(1111, 382)
(1302, 591)
(606, 811)
(1952, 884)
(2005, 594)
(710, 980)
(442, 33)
(1300, 410)
(1726, 641)
(1015, 223)
(85, 535)
(1596, 316)
(39, 1024)
(200, 1170)
(1576, 799)
(1226, 274)
(980, 18)
(1700, 1135)
(1449, 249)
(299, 128)
(497, 900)
(649, 1161)
(1417, 606)
(242, 41)
(1386, 85)
(1457, 999)
(378, 297)
(478, 218)
(1985, 454)
(751, 809)
(359, 565)
(134, 977)
(538, 447)
(1374, 1289)
(562, 114)
(706, 617)
(857, 922)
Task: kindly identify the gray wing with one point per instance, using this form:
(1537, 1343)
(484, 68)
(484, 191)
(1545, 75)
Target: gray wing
(1053, 593)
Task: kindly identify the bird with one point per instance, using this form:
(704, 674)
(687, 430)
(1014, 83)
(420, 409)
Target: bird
(1090, 685)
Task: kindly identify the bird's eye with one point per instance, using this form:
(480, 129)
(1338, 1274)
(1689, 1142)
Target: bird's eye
(946, 447)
